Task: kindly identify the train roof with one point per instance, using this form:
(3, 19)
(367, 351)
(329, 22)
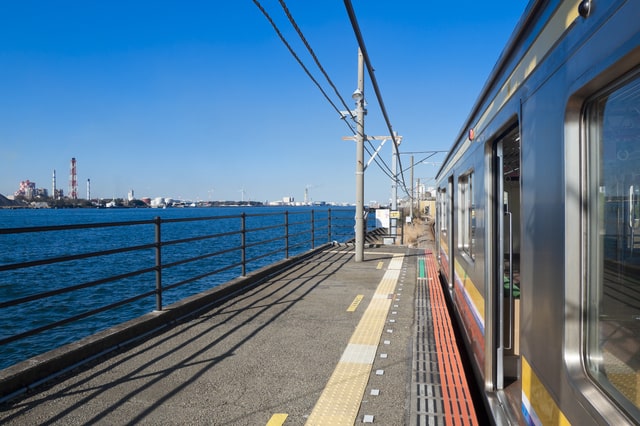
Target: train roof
(530, 19)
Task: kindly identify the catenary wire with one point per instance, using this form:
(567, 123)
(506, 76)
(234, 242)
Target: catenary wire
(384, 166)
(374, 83)
(431, 154)
(306, 70)
(314, 56)
(379, 162)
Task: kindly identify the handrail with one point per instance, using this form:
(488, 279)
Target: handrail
(257, 238)
(60, 259)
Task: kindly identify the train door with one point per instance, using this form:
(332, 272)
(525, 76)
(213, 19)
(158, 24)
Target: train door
(450, 222)
(443, 240)
(506, 264)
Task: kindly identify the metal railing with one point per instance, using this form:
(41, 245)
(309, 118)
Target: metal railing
(166, 255)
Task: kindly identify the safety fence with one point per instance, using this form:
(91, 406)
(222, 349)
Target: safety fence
(61, 283)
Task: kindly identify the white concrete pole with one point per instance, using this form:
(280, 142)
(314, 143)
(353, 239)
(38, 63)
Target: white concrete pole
(358, 96)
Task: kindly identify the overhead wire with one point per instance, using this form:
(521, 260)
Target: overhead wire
(384, 166)
(374, 82)
(431, 154)
(314, 56)
(293, 53)
(379, 162)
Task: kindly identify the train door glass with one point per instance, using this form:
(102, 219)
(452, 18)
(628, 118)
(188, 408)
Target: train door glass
(443, 231)
(506, 242)
(450, 227)
(466, 216)
(613, 242)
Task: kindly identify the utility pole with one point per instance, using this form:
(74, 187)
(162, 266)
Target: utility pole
(412, 196)
(358, 96)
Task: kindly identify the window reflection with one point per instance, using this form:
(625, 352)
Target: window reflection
(467, 215)
(613, 329)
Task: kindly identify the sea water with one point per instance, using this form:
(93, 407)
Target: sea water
(35, 246)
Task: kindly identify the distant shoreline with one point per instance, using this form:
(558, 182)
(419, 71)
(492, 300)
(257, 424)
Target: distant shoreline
(198, 206)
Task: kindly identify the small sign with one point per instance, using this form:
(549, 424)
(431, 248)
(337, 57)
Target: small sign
(394, 214)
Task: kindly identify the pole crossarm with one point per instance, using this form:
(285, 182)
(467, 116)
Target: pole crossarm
(384, 139)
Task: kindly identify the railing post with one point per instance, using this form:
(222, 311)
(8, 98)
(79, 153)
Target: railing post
(329, 225)
(158, 243)
(286, 234)
(243, 243)
(313, 230)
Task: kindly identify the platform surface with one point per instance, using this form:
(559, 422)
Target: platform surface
(330, 341)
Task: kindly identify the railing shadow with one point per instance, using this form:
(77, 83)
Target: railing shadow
(102, 280)
(247, 315)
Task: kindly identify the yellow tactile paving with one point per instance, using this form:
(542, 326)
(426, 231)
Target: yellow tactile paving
(277, 419)
(356, 302)
(341, 398)
(371, 324)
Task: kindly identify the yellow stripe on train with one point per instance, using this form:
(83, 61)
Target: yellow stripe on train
(537, 405)
(476, 299)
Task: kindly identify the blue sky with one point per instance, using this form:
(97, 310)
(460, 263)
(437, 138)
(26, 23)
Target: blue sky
(201, 100)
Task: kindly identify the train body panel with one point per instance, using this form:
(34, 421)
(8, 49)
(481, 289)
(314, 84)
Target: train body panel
(538, 205)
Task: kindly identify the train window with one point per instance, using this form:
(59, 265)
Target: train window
(467, 216)
(613, 287)
(442, 211)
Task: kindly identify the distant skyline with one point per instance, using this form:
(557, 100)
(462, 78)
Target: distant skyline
(202, 101)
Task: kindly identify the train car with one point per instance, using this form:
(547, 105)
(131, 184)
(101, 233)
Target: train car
(538, 219)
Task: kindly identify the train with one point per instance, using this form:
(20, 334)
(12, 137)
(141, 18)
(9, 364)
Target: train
(537, 219)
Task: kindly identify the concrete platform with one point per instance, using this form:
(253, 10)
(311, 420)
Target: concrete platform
(328, 341)
(269, 351)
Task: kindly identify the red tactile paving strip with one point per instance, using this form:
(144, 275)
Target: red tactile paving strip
(458, 406)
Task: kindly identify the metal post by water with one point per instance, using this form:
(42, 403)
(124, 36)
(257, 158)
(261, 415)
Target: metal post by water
(243, 243)
(313, 230)
(286, 234)
(158, 242)
(360, 161)
(329, 225)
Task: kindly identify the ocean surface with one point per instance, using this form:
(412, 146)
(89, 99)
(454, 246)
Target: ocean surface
(35, 246)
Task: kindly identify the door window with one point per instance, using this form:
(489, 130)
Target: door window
(613, 243)
(467, 216)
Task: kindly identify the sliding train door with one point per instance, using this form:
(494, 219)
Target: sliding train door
(505, 243)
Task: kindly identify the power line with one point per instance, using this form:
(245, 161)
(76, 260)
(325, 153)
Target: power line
(430, 154)
(293, 53)
(384, 167)
(315, 58)
(374, 82)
